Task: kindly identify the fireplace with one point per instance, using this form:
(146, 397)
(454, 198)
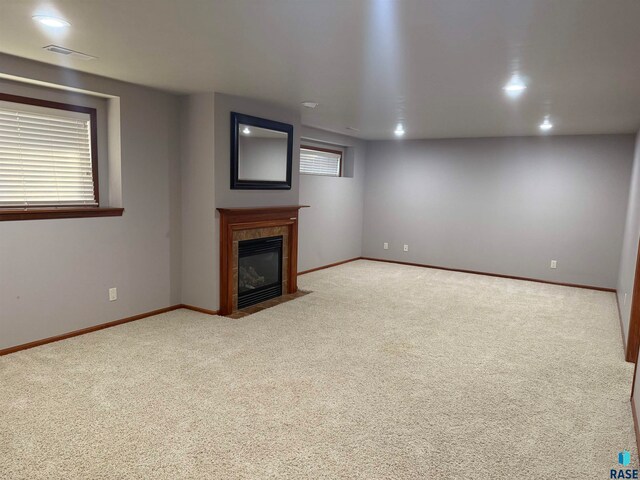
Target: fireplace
(259, 270)
(258, 255)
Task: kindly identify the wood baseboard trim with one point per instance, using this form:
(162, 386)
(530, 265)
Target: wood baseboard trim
(329, 266)
(499, 275)
(82, 331)
(635, 425)
(198, 309)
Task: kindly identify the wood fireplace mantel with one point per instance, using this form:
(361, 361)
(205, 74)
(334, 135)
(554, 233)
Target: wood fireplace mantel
(233, 220)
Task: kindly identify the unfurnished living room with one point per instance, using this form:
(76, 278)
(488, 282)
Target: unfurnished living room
(319, 239)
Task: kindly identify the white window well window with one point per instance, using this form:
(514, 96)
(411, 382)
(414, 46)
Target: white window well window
(320, 161)
(48, 154)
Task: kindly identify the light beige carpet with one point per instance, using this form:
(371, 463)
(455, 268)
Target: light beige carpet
(384, 371)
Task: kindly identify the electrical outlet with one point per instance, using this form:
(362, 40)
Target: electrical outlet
(554, 264)
(624, 301)
(406, 248)
(113, 294)
(385, 245)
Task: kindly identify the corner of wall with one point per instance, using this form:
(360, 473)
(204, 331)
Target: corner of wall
(628, 256)
(331, 229)
(199, 269)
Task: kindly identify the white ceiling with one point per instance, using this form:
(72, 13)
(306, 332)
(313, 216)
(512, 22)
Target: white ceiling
(437, 65)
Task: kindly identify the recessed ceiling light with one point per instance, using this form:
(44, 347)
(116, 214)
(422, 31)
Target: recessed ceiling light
(246, 131)
(399, 131)
(546, 125)
(49, 21)
(310, 104)
(512, 88)
(515, 86)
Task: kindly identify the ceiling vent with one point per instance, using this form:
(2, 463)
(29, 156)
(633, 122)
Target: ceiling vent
(68, 52)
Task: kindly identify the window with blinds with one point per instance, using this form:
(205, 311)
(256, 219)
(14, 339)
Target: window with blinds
(320, 161)
(46, 155)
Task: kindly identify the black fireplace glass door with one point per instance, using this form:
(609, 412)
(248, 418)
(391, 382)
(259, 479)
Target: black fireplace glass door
(259, 270)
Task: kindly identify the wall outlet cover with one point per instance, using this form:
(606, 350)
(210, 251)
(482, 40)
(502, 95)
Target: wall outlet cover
(113, 294)
(554, 264)
(385, 245)
(406, 248)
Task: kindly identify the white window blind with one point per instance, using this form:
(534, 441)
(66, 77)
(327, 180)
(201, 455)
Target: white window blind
(320, 162)
(45, 157)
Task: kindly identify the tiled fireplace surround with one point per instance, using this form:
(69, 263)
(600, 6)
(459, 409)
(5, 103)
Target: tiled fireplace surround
(238, 224)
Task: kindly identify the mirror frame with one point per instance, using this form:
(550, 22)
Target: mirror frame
(236, 183)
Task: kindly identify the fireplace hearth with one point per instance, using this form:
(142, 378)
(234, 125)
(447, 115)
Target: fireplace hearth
(259, 270)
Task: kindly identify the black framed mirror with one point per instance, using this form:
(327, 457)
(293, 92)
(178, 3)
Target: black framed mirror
(261, 153)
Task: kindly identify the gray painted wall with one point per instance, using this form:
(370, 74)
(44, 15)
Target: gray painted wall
(331, 229)
(628, 258)
(199, 246)
(505, 206)
(55, 274)
(205, 186)
(630, 245)
(336, 203)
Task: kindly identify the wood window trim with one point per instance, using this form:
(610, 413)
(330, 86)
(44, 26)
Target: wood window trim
(57, 211)
(44, 213)
(633, 335)
(327, 150)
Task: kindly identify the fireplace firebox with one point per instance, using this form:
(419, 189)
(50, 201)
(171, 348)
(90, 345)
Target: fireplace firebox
(259, 270)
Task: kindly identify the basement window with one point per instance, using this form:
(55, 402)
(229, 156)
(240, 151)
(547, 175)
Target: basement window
(320, 161)
(48, 160)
